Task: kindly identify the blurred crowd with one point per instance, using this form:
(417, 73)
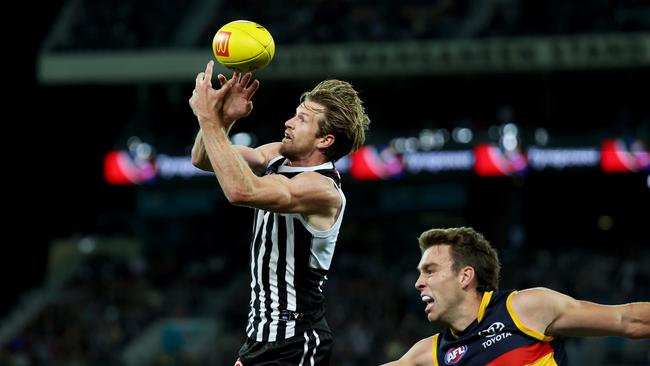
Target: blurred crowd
(319, 21)
(91, 25)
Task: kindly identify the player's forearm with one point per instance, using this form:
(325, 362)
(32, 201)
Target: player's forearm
(200, 157)
(234, 175)
(636, 320)
(251, 156)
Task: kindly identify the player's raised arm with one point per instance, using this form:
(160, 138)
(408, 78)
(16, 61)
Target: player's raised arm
(308, 193)
(256, 158)
(237, 104)
(555, 314)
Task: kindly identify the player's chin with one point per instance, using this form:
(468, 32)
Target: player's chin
(432, 317)
(285, 149)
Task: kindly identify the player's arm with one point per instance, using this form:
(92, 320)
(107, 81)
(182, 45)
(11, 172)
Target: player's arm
(419, 355)
(199, 155)
(307, 193)
(236, 104)
(555, 314)
(257, 158)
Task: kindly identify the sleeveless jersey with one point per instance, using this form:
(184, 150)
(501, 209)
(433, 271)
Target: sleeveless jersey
(289, 263)
(497, 338)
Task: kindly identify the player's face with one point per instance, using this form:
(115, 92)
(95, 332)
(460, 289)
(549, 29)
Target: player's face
(300, 139)
(438, 284)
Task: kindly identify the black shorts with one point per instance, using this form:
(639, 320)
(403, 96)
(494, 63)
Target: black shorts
(312, 348)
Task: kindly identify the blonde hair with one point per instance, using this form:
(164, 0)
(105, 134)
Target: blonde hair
(345, 116)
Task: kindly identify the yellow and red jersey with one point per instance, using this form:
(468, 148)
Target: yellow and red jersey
(497, 338)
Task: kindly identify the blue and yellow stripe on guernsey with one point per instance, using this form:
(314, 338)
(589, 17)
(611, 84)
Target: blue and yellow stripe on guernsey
(434, 349)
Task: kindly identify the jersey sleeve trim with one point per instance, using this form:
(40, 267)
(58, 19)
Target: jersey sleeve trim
(434, 349)
(531, 332)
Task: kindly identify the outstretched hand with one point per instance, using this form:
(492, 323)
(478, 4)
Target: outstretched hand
(208, 103)
(238, 103)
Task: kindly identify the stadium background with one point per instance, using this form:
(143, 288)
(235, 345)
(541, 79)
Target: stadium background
(156, 273)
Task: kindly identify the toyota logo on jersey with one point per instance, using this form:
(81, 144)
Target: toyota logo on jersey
(454, 355)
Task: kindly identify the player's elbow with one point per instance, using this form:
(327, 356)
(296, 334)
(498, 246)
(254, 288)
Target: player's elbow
(200, 162)
(637, 333)
(238, 196)
(636, 322)
(637, 329)
(196, 161)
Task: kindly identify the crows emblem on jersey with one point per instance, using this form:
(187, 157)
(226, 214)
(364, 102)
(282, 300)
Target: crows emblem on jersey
(494, 329)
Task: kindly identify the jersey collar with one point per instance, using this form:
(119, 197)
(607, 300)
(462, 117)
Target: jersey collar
(295, 169)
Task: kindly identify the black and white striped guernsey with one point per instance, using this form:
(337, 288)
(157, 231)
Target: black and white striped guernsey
(289, 265)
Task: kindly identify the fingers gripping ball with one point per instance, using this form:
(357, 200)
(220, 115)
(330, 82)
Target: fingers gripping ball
(243, 45)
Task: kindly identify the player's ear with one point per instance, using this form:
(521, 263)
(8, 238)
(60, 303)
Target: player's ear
(465, 276)
(326, 141)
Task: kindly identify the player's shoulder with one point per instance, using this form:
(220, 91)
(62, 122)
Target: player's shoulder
(270, 150)
(531, 299)
(425, 344)
(532, 294)
(421, 354)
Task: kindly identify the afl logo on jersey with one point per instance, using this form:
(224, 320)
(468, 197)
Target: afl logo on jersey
(454, 355)
(492, 330)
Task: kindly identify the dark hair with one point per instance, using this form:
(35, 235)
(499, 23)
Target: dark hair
(345, 116)
(468, 248)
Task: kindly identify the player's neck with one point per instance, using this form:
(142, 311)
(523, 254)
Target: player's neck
(466, 312)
